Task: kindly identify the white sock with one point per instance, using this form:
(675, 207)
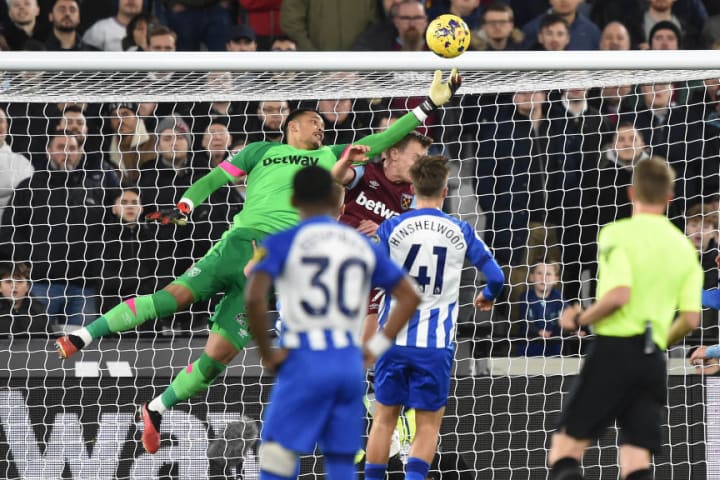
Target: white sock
(84, 335)
(156, 405)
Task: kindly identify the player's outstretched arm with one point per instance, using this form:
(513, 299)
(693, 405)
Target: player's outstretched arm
(195, 195)
(440, 93)
(407, 302)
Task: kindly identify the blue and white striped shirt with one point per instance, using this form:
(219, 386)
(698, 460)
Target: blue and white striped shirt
(323, 272)
(432, 247)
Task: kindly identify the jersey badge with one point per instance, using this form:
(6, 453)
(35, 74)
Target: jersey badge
(405, 201)
(374, 184)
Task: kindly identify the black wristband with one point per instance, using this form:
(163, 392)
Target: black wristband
(428, 106)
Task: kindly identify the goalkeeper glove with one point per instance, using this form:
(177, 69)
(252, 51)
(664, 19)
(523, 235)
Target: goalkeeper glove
(177, 216)
(441, 93)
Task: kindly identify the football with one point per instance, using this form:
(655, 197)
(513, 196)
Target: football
(448, 36)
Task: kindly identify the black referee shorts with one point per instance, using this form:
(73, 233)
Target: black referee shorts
(618, 382)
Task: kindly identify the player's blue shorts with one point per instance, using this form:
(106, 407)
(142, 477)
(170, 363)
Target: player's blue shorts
(414, 377)
(318, 398)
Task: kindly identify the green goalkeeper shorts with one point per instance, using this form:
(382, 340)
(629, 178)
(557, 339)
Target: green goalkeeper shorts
(221, 270)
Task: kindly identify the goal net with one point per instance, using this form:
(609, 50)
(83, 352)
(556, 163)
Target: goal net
(542, 147)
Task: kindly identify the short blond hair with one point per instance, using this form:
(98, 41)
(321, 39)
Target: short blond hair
(653, 181)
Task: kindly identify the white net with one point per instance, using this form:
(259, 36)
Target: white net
(540, 156)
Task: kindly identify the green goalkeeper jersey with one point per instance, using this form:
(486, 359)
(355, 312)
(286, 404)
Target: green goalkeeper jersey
(270, 168)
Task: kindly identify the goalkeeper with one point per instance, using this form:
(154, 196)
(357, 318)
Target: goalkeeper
(270, 168)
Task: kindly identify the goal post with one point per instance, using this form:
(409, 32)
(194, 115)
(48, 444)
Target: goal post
(541, 146)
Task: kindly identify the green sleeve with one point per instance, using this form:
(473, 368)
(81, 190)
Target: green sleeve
(219, 176)
(690, 299)
(379, 142)
(613, 263)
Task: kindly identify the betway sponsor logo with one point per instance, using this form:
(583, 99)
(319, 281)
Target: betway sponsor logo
(303, 160)
(112, 452)
(375, 206)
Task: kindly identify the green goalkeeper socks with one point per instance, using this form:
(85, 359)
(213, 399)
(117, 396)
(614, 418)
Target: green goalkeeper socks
(194, 379)
(132, 313)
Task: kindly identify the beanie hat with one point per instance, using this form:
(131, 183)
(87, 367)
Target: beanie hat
(177, 125)
(665, 25)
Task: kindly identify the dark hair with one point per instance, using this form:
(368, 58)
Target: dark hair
(313, 186)
(73, 108)
(413, 136)
(665, 25)
(14, 270)
(429, 175)
(129, 40)
(552, 19)
(294, 115)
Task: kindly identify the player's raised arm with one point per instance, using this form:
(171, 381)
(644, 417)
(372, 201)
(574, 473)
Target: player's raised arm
(440, 93)
(353, 154)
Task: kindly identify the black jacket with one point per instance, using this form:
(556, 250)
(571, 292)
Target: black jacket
(55, 221)
(129, 264)
(30, 318)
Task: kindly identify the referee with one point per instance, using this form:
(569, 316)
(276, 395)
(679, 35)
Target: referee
(648, 271)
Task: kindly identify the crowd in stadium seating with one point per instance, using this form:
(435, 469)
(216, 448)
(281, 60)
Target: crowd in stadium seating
(551, 167)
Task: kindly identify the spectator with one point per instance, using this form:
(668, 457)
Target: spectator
(54, 221)
(129, 251)
(107, 34)
(131, 146)
(216, 143)
(512, 141)
(241, 39)
(628, 13)
(271, 117)
(65, 19)
(199, 23)
(615, 37)
(605, 188)
(161, 184)
(673, 132)
(283, 44)
(665, 35)
(660, 11)
(575, 137)
(22, 24)
(701, 223)
(20, 314)
(264, 18)
(554, 34)
(584, 35)
(608, 100)
(213, 216)
(328, 25)
(74, 122)
(345, 120)
(539, 309)
(405, 30)
(234, 115)
(14, 168)
(136, 33)
(468, 10)
(498, 31)
(162, 39)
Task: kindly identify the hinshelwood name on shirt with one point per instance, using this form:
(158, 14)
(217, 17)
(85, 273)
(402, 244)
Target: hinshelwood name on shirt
(410, 227)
